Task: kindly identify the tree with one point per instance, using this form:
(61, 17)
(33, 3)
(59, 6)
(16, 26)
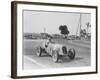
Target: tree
(83, 33)
(88, 24)
(87, 30)
(64, 30)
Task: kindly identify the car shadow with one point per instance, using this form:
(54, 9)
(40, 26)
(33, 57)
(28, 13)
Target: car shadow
(78, 58)
(66, 59)
(45, 55)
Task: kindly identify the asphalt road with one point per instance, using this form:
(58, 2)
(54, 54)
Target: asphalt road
(32, 61)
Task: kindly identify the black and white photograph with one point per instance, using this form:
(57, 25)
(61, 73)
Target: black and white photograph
(55, 39)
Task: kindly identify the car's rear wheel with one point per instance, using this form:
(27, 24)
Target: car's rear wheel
(71, 53)
(55, 56)
(39, 51)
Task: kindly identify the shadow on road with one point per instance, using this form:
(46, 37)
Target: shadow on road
(45, 55)
(78, 58)
(66, 59)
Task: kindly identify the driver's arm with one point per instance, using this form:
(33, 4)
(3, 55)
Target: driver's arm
(46, 43)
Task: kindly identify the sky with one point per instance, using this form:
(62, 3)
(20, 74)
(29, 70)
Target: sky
(37, 21)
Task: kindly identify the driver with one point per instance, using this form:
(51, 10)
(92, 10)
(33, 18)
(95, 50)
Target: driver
(48, 41)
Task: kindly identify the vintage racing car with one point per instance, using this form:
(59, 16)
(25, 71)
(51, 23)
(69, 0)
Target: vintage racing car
(57, 51)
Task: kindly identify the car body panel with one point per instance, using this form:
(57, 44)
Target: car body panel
(52, 47)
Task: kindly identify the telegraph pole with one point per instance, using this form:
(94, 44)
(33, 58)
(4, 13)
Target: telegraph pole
(44, 30)
(79, 25)
(80, 22)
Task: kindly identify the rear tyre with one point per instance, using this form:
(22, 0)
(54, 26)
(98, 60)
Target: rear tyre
(39, 51)
(71, 53)
(55, 56)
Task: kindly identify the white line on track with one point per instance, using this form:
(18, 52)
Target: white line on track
(34, 61)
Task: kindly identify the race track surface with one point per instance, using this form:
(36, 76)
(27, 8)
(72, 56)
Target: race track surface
(32, 61)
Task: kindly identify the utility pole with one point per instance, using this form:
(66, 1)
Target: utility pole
(44, 30)
(79, 25)
(80, 21)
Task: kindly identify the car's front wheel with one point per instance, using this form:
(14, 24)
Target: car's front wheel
(39, 51)
(71, 53)
(55, 56)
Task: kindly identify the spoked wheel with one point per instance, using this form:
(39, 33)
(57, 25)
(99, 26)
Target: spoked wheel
(55, 56)
(39, 51)
(71, 53)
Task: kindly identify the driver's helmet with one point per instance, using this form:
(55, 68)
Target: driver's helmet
(49, 39)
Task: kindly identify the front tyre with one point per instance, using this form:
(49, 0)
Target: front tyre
(71, 53)
(39, 51)
(55, 56)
